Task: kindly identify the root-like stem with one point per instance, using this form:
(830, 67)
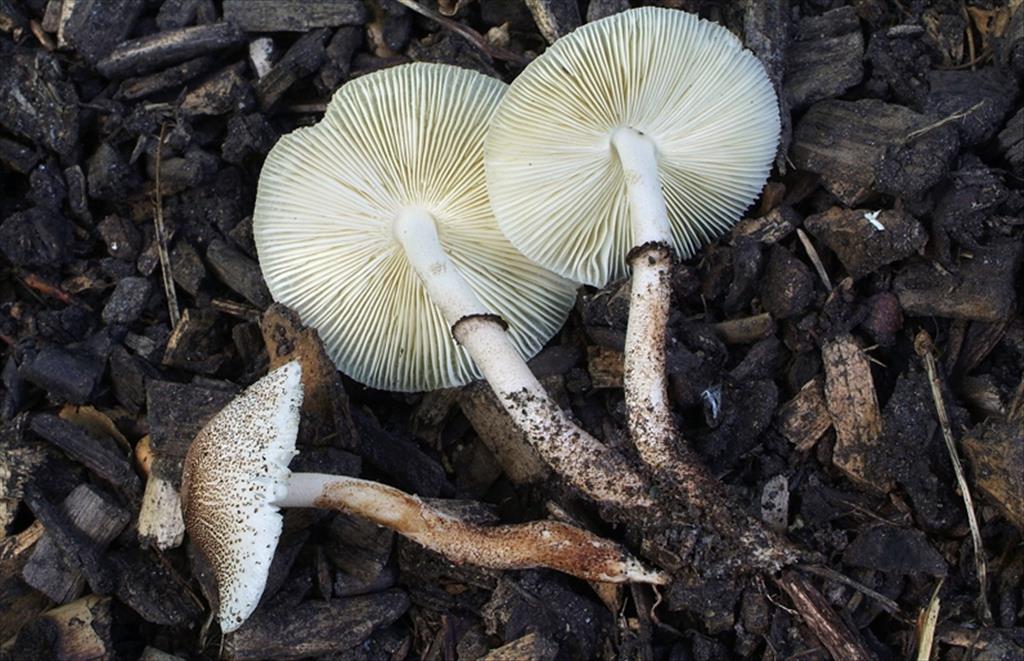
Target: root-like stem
(537, 544)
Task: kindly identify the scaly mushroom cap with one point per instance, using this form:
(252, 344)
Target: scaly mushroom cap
(236, 467)
(556, 184)
(409, 136)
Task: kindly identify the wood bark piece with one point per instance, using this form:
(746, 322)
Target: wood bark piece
(866, 240)
(162, 49)
(995, 449)
(79, 630)
(37, 102)
(853, 404)
(224, 92)
(555, 18)
(983, 287)
(824, 60)
(766, 34)
(503, 438)
(833, 633)
(176, 413)
(605, 367)
(171, 78)
(326, 417)
(531, 646)
(160, 521)
(844, 141)
(19, 602)
(59, 569)
(293, 15)
(805, 418)
(303, 58)
(745, 330)
(19, 459)
(99, 455)
(194, 343)
(315, 628)
(95, 27)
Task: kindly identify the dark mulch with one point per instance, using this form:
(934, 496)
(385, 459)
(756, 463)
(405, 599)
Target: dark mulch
(798, 343)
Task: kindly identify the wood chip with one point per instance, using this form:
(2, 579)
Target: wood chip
(853, 404)
(805, 418)
(59, 575)
(293, 15)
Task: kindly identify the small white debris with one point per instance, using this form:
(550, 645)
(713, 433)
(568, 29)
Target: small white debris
(872, 217)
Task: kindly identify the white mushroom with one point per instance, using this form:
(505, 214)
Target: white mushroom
(374, 225)
(236, 478)
(640, 135)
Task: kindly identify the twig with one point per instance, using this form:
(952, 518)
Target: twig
(813, 254)
(925, 349)
(470, 35)
(161, 238)
(34, 282)
(832, 632)
(885, 602)
(926, 626)
(945, 120)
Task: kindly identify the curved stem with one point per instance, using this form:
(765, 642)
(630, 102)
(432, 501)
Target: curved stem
(597, 471)
(537, 544)
(645, 380)
(649, 413)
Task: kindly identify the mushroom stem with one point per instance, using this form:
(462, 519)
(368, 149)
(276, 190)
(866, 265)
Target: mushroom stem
(651, 425)
(645, 380)
(600, 473)
(537, 544)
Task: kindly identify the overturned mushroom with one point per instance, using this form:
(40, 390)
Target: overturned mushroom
(375, 226)
(636, 137)
(236, 478)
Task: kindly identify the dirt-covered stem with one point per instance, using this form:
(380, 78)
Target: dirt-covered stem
(549, 544)
(601, 474)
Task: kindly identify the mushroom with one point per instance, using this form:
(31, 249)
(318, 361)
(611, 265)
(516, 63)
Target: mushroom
(375, 226)
(236, 478)
(638, 137)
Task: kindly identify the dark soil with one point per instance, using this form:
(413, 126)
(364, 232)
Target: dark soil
(889, 240)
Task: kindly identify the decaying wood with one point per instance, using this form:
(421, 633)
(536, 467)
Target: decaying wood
(326, 418)
(160, 520)
(51, 569)
(315, 628)
(825, 58)
(293, 15)
(817, 614)
(843, 141)
(555, 18)
(176, 413)
(19, 603)
(156, 51)
(531, 646)
(605, 367)
(18, 461)
(853, 404)
(100, 455)
(503, 438)
(745, 330)
(79, 630)
(805, 418)
(995, 449)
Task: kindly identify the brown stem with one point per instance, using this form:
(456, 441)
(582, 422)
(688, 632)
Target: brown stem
(537, 544)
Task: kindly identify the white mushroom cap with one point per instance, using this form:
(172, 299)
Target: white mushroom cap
(556, 185)
(236, 467)
(409, 136)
